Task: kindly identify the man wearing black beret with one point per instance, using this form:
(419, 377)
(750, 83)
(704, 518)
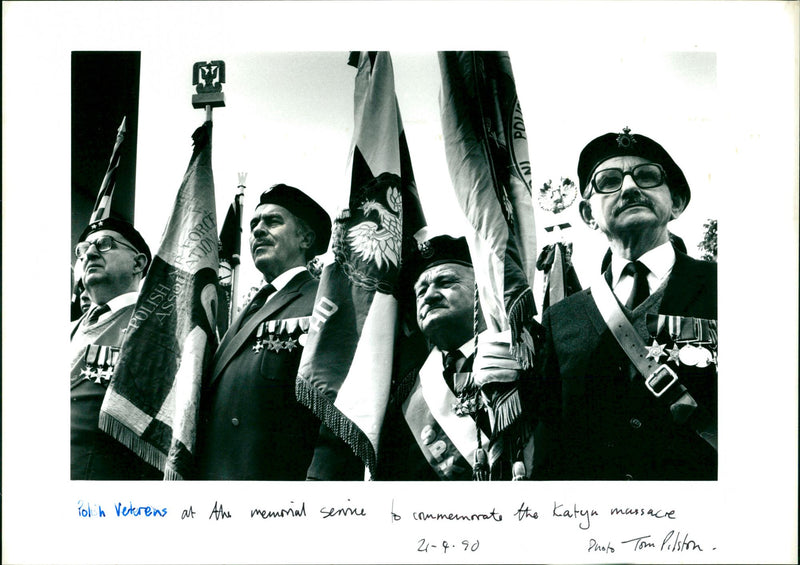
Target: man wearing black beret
(629, 384)
(252, 427)
(114, 258)
(435, 413)
(437, 425)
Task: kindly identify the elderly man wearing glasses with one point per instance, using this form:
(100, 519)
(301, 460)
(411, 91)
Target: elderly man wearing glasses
(114, 258)
(628, 386)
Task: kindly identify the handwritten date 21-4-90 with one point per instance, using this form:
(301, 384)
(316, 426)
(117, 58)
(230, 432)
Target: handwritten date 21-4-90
(424, 546)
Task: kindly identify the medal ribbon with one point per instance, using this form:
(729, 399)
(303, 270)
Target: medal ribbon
(682, 406)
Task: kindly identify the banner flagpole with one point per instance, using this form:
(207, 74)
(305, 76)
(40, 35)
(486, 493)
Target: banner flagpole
(152, 402)
(236, 258)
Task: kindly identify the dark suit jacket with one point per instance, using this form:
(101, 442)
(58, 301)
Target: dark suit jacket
(252, 427)
(596, 422)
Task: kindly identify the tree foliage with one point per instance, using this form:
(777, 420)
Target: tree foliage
(708, 246)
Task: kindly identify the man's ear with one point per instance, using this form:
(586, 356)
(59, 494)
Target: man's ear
(139, 263)
(586, 214)
(678, 206)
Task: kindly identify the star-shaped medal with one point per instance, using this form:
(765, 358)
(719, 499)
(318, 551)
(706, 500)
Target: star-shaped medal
(274, 344)
(290, 343)
(673, 354)
(655, 351)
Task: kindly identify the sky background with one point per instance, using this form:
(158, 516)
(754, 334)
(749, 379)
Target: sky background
(289, 118)
(715, 82)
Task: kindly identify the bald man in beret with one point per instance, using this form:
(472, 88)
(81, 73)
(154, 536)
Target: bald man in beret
(252, 427)
(114, 258)
(628, 375)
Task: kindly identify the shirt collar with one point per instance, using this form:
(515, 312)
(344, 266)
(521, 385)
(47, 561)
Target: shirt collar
(121, 301)
(283, 279)
(466, 350)
(659, 261)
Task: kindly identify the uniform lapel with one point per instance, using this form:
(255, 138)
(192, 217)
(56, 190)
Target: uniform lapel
(686, 284)
(233, 340)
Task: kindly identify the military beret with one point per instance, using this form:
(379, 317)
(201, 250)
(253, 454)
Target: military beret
(305, 208)
(624, 144)
(126, 230)
(435, 251)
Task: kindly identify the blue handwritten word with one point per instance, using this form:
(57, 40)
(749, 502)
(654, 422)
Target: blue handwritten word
(87, 510)
(136, 511)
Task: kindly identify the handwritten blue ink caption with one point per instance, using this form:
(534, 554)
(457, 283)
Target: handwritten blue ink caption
(122, 510)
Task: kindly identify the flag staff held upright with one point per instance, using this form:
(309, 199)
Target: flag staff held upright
(237, 204)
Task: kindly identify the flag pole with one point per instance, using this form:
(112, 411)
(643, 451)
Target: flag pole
(236, 259)
(208, 78)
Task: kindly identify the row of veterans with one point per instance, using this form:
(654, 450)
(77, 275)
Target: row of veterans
(623, 386)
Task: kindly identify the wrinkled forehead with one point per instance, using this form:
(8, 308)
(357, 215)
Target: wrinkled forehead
(443, 270)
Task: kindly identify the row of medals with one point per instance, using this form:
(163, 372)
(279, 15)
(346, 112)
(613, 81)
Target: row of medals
(99, 362)
(272, 342)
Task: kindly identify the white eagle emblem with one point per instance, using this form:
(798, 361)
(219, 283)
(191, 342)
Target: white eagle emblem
(379, 241)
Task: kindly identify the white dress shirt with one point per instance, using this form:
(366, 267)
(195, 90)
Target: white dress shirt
(659, 262)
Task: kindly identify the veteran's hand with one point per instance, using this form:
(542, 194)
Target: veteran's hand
(494, 362)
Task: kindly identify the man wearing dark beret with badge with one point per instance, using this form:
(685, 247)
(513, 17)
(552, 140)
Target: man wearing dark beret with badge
(252, 427)
(437, 426)
(114, 258)
(628, 386)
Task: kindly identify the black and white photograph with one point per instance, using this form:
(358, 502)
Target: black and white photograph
(308, 282)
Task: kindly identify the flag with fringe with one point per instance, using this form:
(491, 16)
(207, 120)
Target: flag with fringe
(487, 155)
(152, 402)
(346, 369)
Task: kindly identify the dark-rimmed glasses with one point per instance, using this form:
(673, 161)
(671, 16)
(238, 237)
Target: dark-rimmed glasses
(102, 243)
(645, 175)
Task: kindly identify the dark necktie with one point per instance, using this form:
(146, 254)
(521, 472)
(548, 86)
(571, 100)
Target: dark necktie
(641, 290)
(450, 367)
(258, 301)
(95, 313)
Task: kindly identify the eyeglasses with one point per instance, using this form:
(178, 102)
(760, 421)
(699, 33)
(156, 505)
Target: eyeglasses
(102, 243)
(646, 175)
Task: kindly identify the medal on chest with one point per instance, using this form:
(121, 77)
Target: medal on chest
(687, 341)
(99, 362)
(281, 335)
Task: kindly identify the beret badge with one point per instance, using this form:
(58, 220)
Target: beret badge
(625, 139)
(425, 249)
